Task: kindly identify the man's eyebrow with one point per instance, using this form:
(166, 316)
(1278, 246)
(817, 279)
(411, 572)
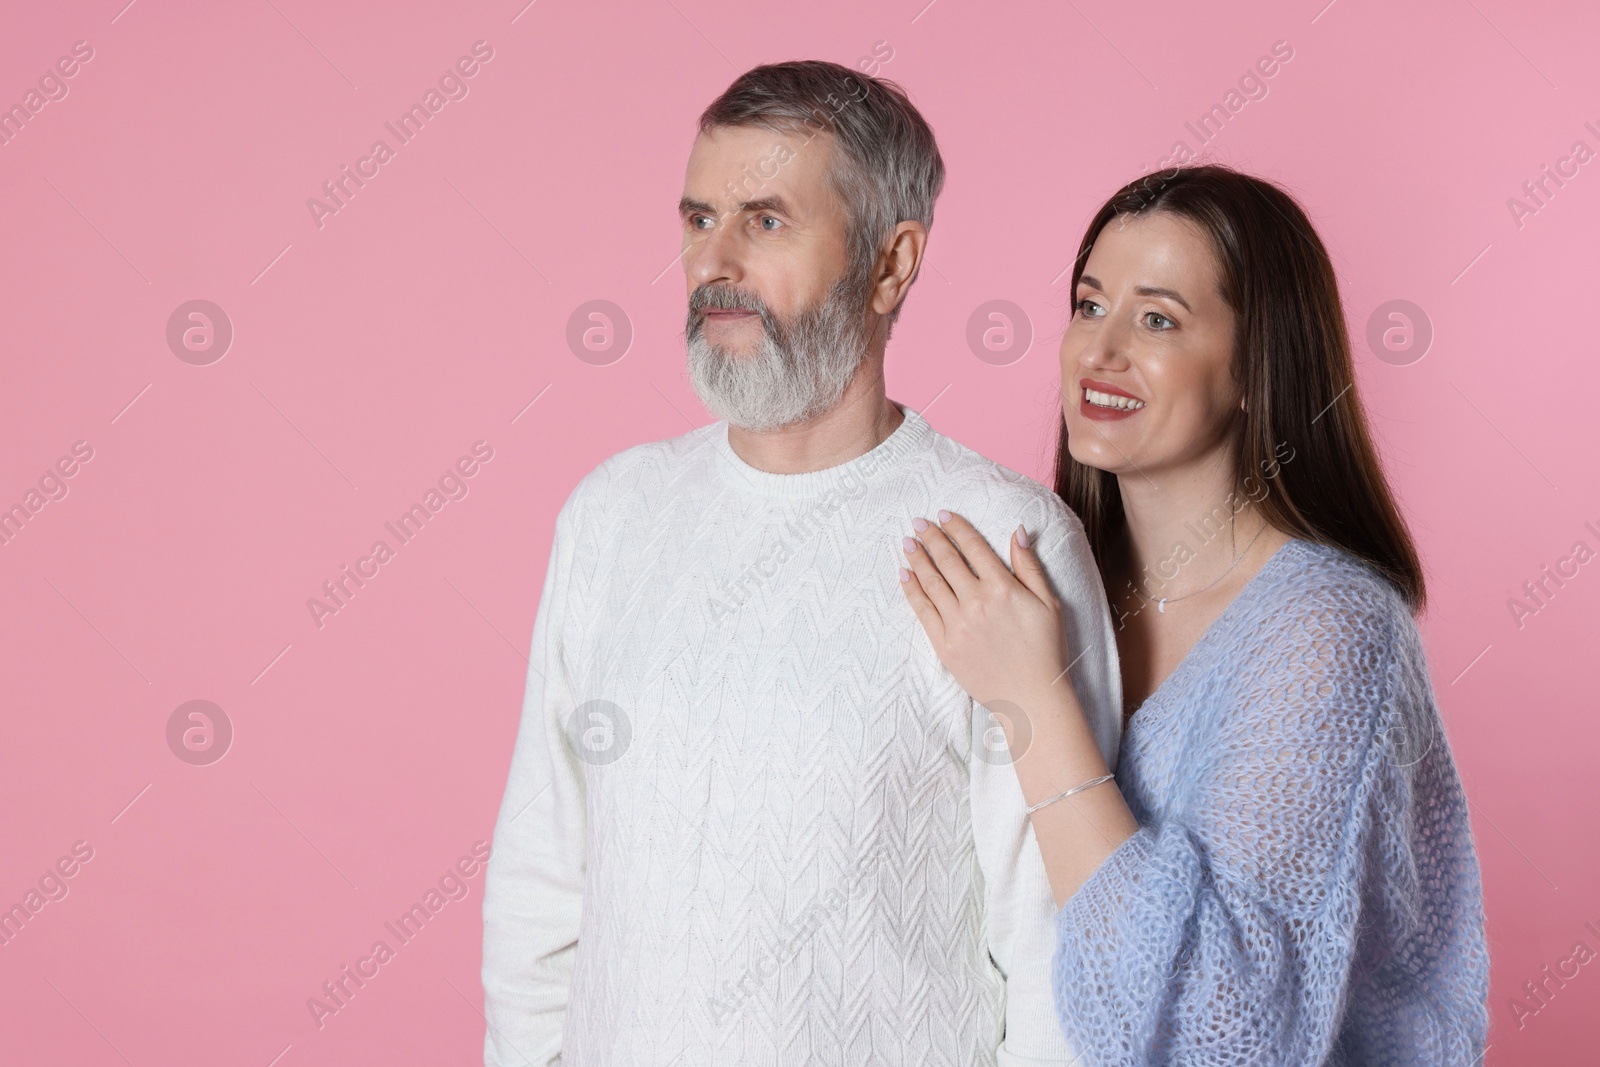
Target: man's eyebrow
(1142, 290)
(690, 206)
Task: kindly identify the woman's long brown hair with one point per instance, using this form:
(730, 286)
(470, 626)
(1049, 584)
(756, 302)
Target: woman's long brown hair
(1291, 356)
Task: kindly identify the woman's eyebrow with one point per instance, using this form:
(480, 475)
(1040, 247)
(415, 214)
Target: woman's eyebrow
(1142, 290)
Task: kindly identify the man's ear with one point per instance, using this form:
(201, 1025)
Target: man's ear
(897, 265)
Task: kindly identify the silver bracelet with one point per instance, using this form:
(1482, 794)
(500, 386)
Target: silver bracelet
(1074, 789)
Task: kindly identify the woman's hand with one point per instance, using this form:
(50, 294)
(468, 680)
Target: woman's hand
(1000, 634)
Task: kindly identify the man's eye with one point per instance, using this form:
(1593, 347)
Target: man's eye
(768, 218)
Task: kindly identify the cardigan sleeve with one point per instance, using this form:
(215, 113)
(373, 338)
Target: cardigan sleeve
(533, 891)
(1223, 934)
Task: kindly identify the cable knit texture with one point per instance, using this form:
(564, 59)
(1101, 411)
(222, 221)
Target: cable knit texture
(1304, 887)
(750, 818)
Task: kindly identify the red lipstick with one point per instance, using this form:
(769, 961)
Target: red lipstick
(1104, 414)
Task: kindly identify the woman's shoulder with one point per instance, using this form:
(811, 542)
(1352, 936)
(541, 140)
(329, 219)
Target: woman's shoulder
(1324, 634)
(1318, 589)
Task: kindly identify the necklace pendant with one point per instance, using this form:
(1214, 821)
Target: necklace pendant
(1161, 605)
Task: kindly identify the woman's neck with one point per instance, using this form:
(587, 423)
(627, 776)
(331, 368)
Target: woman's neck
(1186, 527)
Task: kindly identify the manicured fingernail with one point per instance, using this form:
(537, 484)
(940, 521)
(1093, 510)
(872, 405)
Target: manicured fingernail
(910, 543)
(905, 575)
(919, 524)
(944, 516)
(1022, 536)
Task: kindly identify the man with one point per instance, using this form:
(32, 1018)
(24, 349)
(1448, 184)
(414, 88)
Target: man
(750, 818)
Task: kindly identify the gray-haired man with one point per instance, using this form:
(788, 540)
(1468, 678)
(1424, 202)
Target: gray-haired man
(750, 818)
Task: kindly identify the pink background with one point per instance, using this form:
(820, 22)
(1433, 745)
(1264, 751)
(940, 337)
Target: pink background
(431, 311)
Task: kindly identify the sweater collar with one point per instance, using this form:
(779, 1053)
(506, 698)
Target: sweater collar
(912, 434)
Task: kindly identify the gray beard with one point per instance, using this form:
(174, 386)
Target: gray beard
(798, 371)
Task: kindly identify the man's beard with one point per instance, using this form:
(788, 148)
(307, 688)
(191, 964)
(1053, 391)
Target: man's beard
(797, 371)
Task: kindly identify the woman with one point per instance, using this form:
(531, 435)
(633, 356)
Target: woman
(1282, 869)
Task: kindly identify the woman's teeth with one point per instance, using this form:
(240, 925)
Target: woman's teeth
(1108, 400)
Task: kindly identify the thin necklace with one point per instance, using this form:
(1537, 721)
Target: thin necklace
(1161, 604)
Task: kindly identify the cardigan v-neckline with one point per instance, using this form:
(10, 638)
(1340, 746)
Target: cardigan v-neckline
(1210, 636)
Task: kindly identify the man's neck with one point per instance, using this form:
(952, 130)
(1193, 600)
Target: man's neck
(863, 419)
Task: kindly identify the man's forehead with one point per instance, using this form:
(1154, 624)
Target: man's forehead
(733, 168)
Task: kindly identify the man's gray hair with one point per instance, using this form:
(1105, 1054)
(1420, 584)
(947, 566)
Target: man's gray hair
(888, 169)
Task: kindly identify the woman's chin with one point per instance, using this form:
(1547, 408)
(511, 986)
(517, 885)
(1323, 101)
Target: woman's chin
(1101, 458)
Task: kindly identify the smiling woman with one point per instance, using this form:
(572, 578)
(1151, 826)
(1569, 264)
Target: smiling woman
(1271, 875)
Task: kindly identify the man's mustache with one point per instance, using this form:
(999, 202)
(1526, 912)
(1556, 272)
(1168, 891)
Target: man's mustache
(703, 300)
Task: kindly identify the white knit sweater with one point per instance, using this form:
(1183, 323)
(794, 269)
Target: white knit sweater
(750, 818)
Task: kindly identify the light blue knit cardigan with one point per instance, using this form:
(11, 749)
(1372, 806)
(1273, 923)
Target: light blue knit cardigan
(1304, 887)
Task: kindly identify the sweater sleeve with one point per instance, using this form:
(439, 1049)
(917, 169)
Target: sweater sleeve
(1019, 903)
(533, 891)
(1224, 933)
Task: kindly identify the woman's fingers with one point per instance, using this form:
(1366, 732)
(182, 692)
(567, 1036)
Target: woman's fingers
(974, 548)
(922, 606)
(952, 566)
(931, 576)
(1026, 566)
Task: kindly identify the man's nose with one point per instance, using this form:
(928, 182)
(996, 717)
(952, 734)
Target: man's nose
(714, 256)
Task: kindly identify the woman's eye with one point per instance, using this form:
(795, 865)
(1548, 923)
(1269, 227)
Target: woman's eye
(1158, 315)
(1086, 305)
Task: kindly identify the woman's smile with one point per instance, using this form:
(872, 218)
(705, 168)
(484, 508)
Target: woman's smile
(1104, 402)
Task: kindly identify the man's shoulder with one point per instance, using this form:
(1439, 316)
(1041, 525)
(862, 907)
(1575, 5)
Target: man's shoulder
(638, 472)
(986, 492)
